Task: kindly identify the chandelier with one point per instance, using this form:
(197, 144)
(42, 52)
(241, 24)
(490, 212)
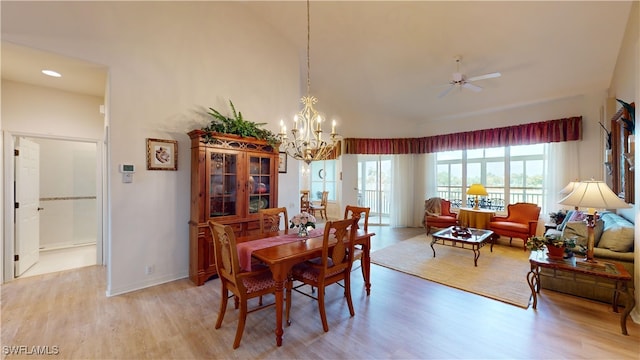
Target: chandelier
(307, 143)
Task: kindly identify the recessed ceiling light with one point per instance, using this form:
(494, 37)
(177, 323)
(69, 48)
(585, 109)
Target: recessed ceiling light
(51, 73)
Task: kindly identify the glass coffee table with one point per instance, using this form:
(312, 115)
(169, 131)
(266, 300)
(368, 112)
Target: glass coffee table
(473, 240)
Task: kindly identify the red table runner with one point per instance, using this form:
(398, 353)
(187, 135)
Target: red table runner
(245, 249)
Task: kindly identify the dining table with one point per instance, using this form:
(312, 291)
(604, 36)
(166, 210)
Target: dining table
(282, 251)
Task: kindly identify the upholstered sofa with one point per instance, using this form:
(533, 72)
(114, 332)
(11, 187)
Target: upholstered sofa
(614, 239)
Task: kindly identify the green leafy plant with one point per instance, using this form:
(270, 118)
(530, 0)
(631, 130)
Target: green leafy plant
(236, 125)
(558, 216)
(629, 124)
(539, 242)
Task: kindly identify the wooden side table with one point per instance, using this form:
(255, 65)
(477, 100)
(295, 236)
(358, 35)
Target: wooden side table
(603, 269)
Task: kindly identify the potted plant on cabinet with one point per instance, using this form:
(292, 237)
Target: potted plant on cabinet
(236, 125)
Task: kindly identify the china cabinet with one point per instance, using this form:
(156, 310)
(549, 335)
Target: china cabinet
(231, 179)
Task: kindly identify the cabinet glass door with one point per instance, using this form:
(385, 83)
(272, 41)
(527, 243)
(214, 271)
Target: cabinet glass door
(259, 183)
(223, 184)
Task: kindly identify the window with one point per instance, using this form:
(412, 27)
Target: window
(323, 178)
(510, 174)
(449, 176)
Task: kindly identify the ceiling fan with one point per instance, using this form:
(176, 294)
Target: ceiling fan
(460, 81)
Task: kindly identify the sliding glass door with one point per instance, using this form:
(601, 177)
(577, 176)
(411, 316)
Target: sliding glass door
(374, 186)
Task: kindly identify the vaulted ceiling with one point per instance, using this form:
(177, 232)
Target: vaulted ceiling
(373, 62)
(392, 59)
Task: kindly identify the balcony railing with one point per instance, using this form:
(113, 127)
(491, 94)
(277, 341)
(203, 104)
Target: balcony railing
(494, 200)
(377, 201)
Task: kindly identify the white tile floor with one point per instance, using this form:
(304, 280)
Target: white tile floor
(63, 259)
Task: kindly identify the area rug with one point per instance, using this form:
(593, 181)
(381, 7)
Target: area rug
(500, 275)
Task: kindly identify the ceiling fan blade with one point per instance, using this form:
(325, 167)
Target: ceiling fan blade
(444, 93)
(472, 87)
(486, 76)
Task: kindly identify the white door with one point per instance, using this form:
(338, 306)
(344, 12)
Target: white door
(27, 227)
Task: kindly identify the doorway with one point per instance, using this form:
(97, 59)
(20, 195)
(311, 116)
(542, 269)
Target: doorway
(67, 206)
(70, 109)
(374, 186)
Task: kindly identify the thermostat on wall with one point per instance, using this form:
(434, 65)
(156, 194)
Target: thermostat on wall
(127, 168)
(127, 171)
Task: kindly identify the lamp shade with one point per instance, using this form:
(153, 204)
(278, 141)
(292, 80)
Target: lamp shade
(593, 195)
(569, 188)
(477, 189)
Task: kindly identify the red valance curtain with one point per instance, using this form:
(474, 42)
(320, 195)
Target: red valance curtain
(568, 129)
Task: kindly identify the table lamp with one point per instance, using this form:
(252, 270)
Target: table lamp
(477, 189)
(593, 195)
(569, 189)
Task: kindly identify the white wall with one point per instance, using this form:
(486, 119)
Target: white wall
(28, 109)
(168, 61)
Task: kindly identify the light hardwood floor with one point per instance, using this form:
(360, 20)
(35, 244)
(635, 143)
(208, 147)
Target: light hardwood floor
(405, 317)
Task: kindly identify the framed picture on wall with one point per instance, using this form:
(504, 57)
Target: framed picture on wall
(162, 154)
(282, 162)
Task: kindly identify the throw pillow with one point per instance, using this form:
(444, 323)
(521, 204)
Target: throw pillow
(579, 231)
(619, 234)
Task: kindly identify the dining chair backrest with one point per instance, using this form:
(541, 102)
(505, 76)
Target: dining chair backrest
(324, 199)
(322, 207)
(271, 218)
(341, 254)
(304, 202)
(359, 213)
(226, 254)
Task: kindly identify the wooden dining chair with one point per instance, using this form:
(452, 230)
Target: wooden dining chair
(360, 215)
(304, 202)
(322, 207)
(271, 218)
(333, 266)
(244, 285)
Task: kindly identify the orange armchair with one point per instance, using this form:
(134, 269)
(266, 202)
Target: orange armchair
(437, 213)
(521, 222)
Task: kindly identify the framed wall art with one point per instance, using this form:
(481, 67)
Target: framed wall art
(162, 154)
(282, 162)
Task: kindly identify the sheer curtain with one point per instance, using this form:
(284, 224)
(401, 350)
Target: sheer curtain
(562, 166)
(402, 192)
(412, 182)
(431, 172)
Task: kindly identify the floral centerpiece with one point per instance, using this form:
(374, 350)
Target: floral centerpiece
(556, 246)
(303, 222)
